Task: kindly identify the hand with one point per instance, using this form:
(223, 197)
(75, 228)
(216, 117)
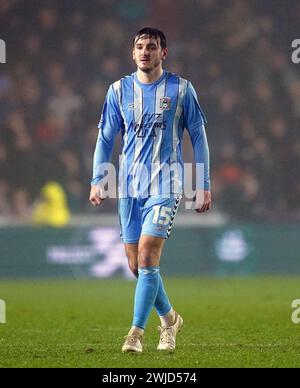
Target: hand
(95, 195)
(203, 201)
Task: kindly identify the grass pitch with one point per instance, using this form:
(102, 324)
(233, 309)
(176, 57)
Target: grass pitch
(228, 323)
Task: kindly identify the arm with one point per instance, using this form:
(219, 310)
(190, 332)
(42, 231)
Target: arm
(109, 126)
(195, 121)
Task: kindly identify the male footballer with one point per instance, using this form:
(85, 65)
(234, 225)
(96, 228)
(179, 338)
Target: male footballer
(150, 108)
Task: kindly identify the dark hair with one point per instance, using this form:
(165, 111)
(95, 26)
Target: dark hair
(152, 33)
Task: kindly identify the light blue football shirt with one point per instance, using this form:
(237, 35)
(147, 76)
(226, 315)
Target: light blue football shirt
(151, 119)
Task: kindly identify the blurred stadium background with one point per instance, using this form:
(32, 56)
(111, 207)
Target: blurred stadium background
(61, 58)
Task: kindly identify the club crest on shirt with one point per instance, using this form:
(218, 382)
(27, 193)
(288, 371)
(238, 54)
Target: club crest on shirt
(165, 103)
(131, 106)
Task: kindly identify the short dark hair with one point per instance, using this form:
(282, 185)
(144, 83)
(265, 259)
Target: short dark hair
(152, 33)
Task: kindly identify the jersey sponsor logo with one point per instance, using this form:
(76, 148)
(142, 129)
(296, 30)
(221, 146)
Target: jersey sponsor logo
(165, 103)
(148, 125)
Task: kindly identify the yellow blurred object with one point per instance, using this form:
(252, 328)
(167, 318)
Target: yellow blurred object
(53, 209)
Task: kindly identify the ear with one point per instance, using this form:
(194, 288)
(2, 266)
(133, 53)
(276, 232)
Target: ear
(164, 53)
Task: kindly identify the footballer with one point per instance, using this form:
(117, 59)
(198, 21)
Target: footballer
(150, 110)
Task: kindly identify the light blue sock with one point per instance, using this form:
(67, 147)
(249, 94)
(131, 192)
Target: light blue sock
(162, 303)
(145, 295)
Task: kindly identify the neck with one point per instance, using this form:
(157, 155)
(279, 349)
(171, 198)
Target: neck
(149, 78)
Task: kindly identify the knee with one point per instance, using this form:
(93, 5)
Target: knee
(143, 254)
(148, 258)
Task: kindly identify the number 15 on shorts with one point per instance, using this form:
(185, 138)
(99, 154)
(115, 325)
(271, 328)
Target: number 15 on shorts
(162, 215)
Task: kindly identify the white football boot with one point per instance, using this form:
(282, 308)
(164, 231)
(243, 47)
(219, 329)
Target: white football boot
(167, 340)
(133, 343)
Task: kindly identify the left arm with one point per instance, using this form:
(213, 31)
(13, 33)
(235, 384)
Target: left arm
(195, 121)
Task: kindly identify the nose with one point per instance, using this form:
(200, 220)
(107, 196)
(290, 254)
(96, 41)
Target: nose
(145, 51)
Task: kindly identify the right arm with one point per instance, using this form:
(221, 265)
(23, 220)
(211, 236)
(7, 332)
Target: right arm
(109, 126)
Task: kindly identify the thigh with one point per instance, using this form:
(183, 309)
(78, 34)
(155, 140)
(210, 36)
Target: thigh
(130, 220)
(158, 214)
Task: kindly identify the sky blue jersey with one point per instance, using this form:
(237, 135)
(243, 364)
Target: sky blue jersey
(151, 118)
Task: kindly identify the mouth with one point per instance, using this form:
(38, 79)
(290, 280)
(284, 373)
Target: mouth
(144, 60)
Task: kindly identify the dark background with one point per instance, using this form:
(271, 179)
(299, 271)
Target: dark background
(62, 56)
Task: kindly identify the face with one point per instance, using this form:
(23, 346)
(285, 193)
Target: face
(148, 54)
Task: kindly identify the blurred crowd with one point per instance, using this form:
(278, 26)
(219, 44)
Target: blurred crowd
(62, 56)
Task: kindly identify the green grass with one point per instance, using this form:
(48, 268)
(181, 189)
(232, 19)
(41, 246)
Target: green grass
(228, 323)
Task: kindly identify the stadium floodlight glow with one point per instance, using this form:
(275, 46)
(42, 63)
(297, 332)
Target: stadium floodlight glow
(296, 53)
(2, 311)
(2, 51)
